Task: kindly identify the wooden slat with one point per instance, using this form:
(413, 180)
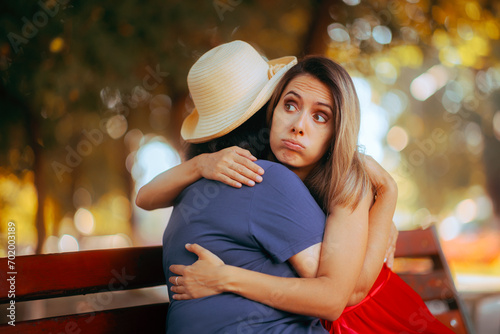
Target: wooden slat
(437, 284)
(66, 274)
(434, 285)
(453, 320)
(416, 243)
(132, 320)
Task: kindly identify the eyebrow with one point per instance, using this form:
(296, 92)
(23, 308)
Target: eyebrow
(317, 103)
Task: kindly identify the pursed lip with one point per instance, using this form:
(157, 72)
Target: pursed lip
(293, 144)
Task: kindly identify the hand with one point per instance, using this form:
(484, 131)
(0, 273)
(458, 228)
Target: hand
(391, 248)
(233, 166)
(199, 279)
(382, 181)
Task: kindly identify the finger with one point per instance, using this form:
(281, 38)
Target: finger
(178, 289)
(247, 168)
(175, 280)
(177, 269)
(181, 297)
(252, 166)
(199, 250)
(244, 153)
(229, 181)
(390, 261)
(243, 176)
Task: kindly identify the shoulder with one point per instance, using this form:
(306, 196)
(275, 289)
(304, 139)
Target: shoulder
(282, 185)
(278, 176)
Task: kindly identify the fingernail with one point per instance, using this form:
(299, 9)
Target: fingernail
(259, 178)
(261, 171)
(188, 244)
(251, 183)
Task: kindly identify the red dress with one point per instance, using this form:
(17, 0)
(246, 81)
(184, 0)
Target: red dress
(391, 306)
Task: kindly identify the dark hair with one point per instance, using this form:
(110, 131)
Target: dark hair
(252, 135)
(339, 178)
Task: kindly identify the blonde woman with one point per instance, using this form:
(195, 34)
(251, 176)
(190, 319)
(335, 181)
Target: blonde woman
(314, 116)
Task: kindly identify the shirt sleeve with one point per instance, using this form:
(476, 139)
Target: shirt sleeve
(285, 218)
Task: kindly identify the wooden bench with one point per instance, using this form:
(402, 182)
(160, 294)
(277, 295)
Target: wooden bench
(85, 272)
(421, 264)
(68, 274)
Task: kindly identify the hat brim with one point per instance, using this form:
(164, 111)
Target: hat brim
(194, 131)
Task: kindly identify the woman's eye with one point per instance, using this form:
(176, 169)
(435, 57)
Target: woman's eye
(320, 118)
(290, 107)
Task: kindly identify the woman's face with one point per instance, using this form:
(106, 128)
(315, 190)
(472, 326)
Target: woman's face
(303, 124)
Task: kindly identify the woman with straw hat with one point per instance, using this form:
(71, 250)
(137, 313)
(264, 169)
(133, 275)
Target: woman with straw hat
(211, 213)
(315, 120)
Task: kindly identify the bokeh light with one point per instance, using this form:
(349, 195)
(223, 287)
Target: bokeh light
(382, 34)
(153, 158)
(397, 138)
(352, 2)
(84, 221)
(466, 210)
(449, 228)
(56, 45)
(426, 84)
(474, 138)
(361, 29)
(110, 97)
(338, 33)
(116, 126)
(68, 243)
(386, 72)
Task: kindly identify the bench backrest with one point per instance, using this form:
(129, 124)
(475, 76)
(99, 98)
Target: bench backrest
(67, 274)
(433, 281)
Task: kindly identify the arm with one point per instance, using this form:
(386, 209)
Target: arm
(342, 256)
(380, 226)
(233, 166)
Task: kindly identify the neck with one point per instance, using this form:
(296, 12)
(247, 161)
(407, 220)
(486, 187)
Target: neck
(301, 172)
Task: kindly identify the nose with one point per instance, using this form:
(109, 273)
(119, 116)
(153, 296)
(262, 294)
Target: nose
(298, 124)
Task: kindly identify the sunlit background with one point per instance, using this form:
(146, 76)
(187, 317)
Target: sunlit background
(92, 95)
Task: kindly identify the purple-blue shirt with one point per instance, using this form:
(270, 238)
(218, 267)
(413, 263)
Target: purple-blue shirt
(257, 228)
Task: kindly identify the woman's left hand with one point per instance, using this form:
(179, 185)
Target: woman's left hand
(201, 279)
(391, 248)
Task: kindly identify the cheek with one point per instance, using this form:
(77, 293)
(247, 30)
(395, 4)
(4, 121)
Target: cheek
(324, 141)
(277, 126)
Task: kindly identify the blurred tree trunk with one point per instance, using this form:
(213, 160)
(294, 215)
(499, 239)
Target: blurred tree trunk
(35, 141)
(317, 37)
(18, 111)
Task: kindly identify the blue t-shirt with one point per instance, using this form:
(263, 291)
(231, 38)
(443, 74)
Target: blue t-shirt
(257, 228)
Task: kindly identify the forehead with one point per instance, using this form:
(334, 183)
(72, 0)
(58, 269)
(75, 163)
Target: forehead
(307, 86)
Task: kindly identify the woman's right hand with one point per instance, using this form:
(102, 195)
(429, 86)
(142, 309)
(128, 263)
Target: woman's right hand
(201, 279)
(233, 166)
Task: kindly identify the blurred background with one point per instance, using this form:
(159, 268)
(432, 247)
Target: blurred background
(93, 93)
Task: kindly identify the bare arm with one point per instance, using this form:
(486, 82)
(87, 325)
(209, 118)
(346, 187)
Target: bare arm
(233, 166)
(380, 217)
(344, 247)
(340, 250)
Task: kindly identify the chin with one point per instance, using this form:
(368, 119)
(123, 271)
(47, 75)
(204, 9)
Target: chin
(289, 159)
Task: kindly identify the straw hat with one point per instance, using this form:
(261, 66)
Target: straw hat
(228, 84)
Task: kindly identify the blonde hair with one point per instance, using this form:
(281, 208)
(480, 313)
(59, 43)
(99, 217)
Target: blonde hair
(339, 178)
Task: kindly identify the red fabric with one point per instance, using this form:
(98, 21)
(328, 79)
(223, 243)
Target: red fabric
(390, 307)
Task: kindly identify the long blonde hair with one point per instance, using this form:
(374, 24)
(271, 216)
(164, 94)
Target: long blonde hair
(339, 178)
